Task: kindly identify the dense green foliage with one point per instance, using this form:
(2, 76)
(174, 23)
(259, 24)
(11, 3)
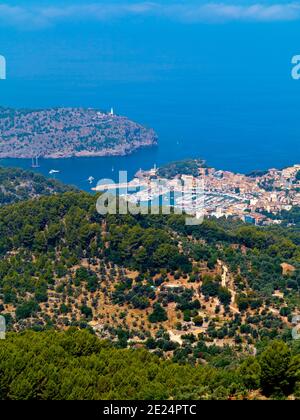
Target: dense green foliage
(76, 365)
(58, 256)
(41, 240)
(279, 371)
(291, 217)
(182, 167)
(18, 184)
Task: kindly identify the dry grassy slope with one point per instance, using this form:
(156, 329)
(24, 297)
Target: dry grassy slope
(106, 314)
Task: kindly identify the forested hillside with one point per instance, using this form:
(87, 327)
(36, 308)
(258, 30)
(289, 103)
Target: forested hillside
(182, 167)
(17, 185)
(77, 366)
(212, 294)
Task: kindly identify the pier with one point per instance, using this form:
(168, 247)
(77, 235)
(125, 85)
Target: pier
(125, 185)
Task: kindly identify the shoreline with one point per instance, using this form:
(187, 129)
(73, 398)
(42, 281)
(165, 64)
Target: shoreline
(249, 173)
(76, 169)
(84, 154)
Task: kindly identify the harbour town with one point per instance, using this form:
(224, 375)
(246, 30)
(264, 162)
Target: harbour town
(257, 198)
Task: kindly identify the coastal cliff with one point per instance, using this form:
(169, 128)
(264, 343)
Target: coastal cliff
(69, 132)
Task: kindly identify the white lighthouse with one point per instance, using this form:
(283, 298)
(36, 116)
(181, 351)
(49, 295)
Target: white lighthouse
(112, 112)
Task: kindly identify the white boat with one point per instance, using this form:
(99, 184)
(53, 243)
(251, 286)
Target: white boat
(91, 179)
(53, 171)
(35, 162)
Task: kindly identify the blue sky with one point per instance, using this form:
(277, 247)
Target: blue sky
(42, 14)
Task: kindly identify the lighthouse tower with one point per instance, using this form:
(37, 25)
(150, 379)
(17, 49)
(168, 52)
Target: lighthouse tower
(112, 112)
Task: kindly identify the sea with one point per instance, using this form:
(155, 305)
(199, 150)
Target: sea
(239, 126)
